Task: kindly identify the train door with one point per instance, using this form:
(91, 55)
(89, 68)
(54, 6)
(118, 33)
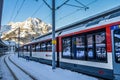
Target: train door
(57, 47)
(116, 51)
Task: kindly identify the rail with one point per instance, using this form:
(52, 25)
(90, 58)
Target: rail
(12, 72)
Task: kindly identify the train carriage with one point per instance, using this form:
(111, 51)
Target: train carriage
(90, 46)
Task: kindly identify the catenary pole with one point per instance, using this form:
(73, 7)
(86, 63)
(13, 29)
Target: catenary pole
(1, 9)
(53, 27)
(53, 35)
(18, 41)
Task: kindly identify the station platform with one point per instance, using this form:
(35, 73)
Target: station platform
(0, 73)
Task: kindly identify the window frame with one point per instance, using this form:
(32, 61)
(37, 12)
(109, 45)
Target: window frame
(42, 49)
(33, 47)
(75, 50)
(37, 49)
(69, 57)
(93, 47)
(105, 47)
(49, 48)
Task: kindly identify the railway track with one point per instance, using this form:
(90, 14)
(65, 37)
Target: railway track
(6, 58)
(16, 77)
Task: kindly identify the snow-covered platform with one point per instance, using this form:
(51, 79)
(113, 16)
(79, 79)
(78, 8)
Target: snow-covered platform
(0, 73)
(45, 72)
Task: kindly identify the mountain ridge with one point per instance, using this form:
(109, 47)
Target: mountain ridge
(29, 29)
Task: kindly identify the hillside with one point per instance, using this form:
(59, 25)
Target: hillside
(29, 29)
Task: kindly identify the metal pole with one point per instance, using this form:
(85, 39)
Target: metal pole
(53, 34)
(18, 41)
(1, 9)
(9, 48)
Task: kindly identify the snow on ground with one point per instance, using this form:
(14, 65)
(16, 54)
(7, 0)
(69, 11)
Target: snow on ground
(45, 72)
(6, 75)
(20, 75)
(0, 72)
(39, 71)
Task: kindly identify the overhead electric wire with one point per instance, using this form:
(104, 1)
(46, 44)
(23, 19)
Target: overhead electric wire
(76, 10)
(62, 4)
(74, 5)
(68, 14)
(13, 10)
(80, 8)
(47, 16)
(81, 3)
(91, 2)
(47, 4)
(41, 5)
(19, 9)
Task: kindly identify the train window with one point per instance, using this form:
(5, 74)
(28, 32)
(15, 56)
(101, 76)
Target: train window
(117, 45)
(28, 47)
(100, 46)
(33, 48)
(80, 47)
(38, 47)
(90, 47)
(66, 49)
(43, 46)
(115, 15)
(24, 48)
(49, 46)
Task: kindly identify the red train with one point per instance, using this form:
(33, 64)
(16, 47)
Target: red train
(90, 46)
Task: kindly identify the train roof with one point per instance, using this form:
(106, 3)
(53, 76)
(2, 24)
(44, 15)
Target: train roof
(86, 20)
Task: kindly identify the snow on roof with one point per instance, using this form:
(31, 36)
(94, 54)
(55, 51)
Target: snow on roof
(9, 42)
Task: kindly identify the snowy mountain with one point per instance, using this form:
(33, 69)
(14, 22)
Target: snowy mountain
(29, 29)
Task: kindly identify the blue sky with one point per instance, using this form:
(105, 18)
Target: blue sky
(64, 16)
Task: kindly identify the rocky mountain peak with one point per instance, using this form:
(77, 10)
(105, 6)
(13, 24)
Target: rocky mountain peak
(29, 29)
